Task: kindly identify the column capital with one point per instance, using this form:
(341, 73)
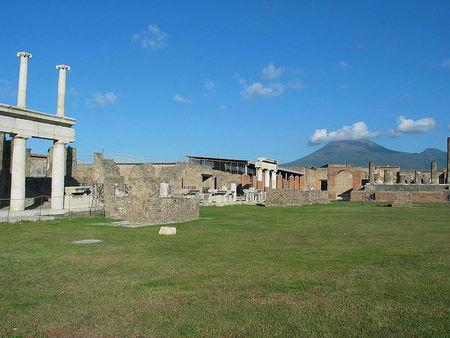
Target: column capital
(63, 67)
(26, 137)
(60, 142)
(25, 54)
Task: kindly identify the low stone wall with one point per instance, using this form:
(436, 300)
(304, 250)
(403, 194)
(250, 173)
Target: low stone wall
(152, 209)
(416, 197)
(402, 199)
(361, 196)
(285, 198)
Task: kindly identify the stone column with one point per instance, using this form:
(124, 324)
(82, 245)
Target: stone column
(434, 176)
(233, 188)
(448, 160)
(371, 172)
(58, 174)
(18, 167)
(61, 89)
(266, 179)
(417, 177)
(23, 76)
(273, 176)
(259, 178)
(388, 177)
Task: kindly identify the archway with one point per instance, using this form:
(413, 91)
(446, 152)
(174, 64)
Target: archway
(344, 184)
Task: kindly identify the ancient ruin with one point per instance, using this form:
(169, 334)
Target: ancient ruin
(21, 124)
(172, 192)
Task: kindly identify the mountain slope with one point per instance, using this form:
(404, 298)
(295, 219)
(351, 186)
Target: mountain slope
(359, 153)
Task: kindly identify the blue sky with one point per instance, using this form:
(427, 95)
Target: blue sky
(158, 80)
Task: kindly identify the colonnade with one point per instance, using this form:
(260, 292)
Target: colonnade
(18, 161)
(270, 177)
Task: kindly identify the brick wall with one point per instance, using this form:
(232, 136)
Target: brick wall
(151, 209)
(417, 197)
(402, 199)
(360, 196)
(284, 198)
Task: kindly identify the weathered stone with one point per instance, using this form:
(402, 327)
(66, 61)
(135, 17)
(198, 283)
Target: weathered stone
(168, 231)
(87, 241)
(151, 209)
(284, 198)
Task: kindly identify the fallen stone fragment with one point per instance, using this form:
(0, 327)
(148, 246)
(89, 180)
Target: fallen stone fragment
(168, 231)
(87, 241)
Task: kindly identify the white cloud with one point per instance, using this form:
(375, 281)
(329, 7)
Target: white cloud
(409, 126)
(6, 89)
(258, 89)
(152, 38)
(223, 106)
(209, 87)
(445, 63)
(357, 131)
(270, 72)
(100, 100)
(180, 99)
(344, 65)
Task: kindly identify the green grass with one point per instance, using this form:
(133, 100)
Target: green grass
(343, 269)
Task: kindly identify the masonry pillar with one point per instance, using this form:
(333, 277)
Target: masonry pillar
(23, 77)
(274, 179)
(61, 89)
(371, 172)
(266, 179)
(388, 177)
(233, 189)
(259, 178)
(448, 160)
(434, 176)
(58, 174)
(417, 177)
(18, 167)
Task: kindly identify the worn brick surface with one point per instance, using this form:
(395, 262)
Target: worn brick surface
(284, 198)
(151, 209)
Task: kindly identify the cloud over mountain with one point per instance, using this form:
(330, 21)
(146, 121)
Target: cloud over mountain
(357, 131)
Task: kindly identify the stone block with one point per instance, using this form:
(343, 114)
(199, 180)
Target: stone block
(168, 231)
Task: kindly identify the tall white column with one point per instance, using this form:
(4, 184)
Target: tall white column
(58, 166)
(23, 76)
(18, 166)
(266, 179)
(274, 179)
(259, 174)
(61, 89)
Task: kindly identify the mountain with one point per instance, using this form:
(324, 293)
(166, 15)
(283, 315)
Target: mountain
(359, 153)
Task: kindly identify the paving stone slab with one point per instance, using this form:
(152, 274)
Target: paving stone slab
(87, 241)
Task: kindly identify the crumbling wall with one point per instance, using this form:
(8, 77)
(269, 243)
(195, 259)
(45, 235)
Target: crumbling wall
(152, 209)
(284, 198)
(145, 179)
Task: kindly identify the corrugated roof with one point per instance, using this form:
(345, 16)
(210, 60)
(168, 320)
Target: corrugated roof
(217, 159)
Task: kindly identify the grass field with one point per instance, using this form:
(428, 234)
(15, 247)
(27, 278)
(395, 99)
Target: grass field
(342, 269)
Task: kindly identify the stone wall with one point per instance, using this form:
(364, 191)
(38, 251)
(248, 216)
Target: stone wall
(417, 197)
(285, 198)
(402, 199)
(151, 209)
(144, 180)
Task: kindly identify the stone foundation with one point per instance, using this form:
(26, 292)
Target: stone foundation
(402, 199)
(152, 209)
(285, 198)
